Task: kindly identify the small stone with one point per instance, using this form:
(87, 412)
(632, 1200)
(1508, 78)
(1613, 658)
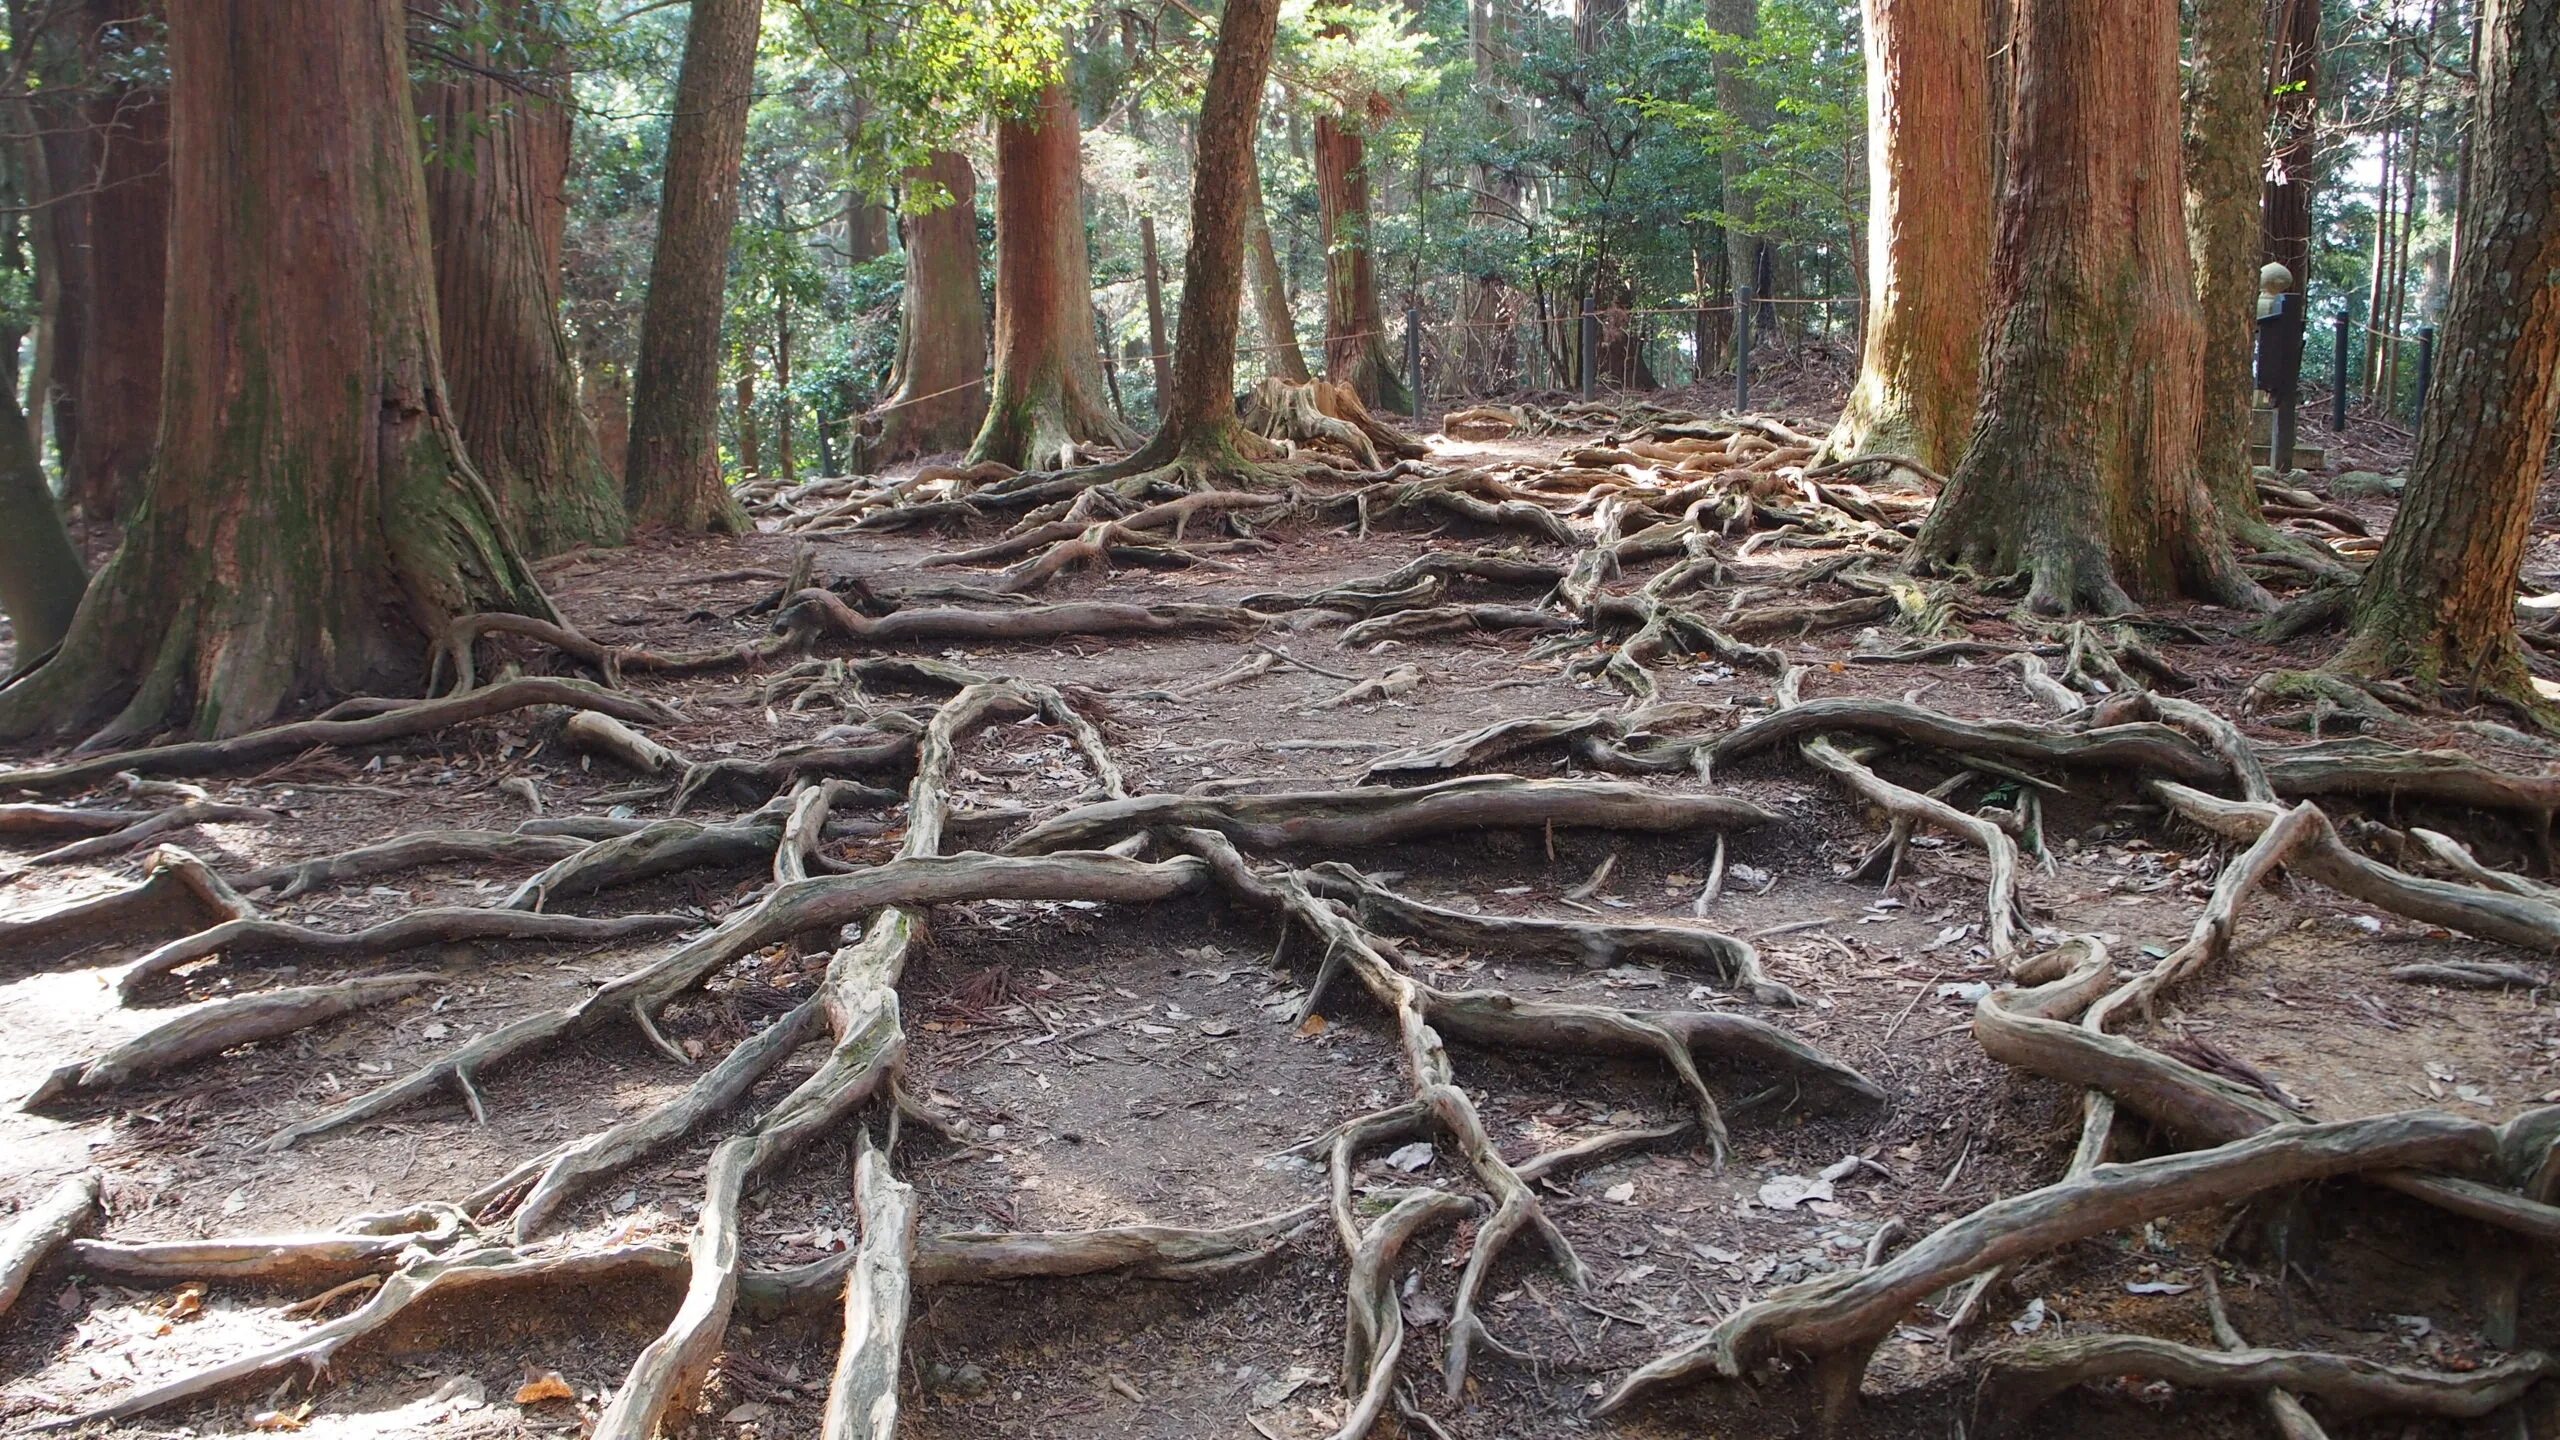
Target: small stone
(2365, 485)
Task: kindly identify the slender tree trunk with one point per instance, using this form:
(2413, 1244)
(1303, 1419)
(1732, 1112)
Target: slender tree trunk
(67, 160)
(311, 522)
(939, 392)
(750, 459)
(1048, 390)
(605, 396)
(1736, 96)
(1281, 357)
(119, 381)
(2438, 604)
(1355, 327)
(497, 200)
(1151, 267)
(2290, 116)
(1928, 232)
(782, 420)
(674, 476)
(2082, 467)
(40, 574)
(866, 221)
(1199, 424)
(2226, 128)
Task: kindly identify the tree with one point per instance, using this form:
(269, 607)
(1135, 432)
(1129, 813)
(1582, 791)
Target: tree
(1281, 354)
(41, 576)
(1355, 327)
(1928, 232)
(1047, 392)
(2291, 89)
(2081, 471)
(674, 478)
(310, 521)
(1199, 431)
(119, 379)
(2438, 604)
(2226, 130)
(938, 389)
(497, 203)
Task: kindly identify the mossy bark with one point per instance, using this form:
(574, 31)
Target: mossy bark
(41, 576)
(311, 520)
(1047, 391)
(1928, 233)
(497, 200)
(2438, 604)
(674, 475)
(2226, 130)
(119, 381)
(2081, 472)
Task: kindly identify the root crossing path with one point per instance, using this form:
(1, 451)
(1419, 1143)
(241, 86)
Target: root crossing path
(1529, 936)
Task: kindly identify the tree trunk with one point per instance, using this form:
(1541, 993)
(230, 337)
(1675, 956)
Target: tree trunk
(1199, 423)
(1355, 328)
(311, 523)
(2226, 128)
(66, 151)
(2081, 471)
(1151, 268)
(119, 381)
(2438, 604)
(866, 221)
(1736, 96)
(1928, 232)
(40, 574)
(497, 199)
(1281, 356)
(605, 396)
(674, 476)
(784, 455)
(939, 392)
(1048, 396)
(2291, 111)
(750, 460)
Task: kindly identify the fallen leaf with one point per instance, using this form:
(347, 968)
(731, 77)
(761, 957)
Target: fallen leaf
(1786, 1192)
(2031, 1319)
(546, 1386)
(1410, 1158)
(279, 1419)
(2157, 1287)
(747, 1414)
(1620, 1193)
(1313, 1025)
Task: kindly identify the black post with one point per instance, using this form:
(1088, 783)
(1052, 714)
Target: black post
(2426, 374)
(1590, 349)
(1741, 344)
(2280, 375)
(2338, 375)
(1413, 356)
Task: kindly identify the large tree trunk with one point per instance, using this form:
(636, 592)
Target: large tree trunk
(605, 396)
(1736, 96)
(938, 389)
(1199, 425)
(2291, 98)
(2226, 129)
(2438, 604)
(1928, 232)
(1281, 355)
(1151, 276)
(497, 200)
(119, 380)
(674, 477)
(311, 522)
(2081, 471)
(65, 151)
(40, 574)
(1355, 327)
(1048, 397)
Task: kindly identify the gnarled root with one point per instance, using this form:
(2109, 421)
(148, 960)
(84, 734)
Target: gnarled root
(2023, 1377)
(176, 889)
(40, 1230)
(211, 1028)
(439, 924)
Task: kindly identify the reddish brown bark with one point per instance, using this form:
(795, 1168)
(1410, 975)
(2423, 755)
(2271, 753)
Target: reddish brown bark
(66, 149)
(1281, 355)
(938, 393)
(2292, 104)
(1151, 278)
(1355, 327)
(2438, 604)
(2226, 128)
(119, 380)
(311, 520)
(674, 476)
(1928, 231)
(1048, 396)
(2081, 471)
(497, 199)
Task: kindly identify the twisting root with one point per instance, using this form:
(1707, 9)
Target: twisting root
(862, 1401)
(408, 852)
(176, 889)
(40, 1230)
(1373, 1316)
(211, 1028)
(1911, 807)
(2292, 1422)
(1845, 1315)
(2023, 1377)
(200, 757)
(437, 924)
(183, 816)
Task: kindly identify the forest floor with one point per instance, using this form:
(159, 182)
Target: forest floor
(1103, 1065)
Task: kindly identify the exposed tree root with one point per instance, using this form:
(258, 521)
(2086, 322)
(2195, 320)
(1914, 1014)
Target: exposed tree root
(435, 925)
(1377, 816)
(408, 852)
(50, 820)
(40, 1230)
(183, 816)
(1845, 1315)
(211, 1028)
(177, 889)
(257, 747)
(862, 1400)
(1373, 1314)
(2137, 745)
(2022, 1378)
(1910, 807)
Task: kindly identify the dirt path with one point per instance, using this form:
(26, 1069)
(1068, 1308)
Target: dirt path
(1110, 1065)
